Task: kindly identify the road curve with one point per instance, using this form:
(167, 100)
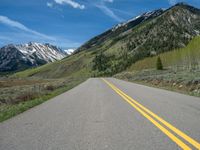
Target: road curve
(99, 116)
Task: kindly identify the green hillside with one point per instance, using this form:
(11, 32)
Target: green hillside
(183, 58)
(181, 70)
(75, 65)
(120, 47)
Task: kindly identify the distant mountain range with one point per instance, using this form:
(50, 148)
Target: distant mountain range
(20, 57)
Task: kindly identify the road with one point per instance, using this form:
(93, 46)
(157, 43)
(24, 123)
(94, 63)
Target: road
(107, 115)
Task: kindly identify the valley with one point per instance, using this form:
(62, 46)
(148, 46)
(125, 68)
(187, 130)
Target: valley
(127, 51)
(95, 77)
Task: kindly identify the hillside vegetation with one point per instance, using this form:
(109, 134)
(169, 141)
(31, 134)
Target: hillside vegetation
(18, 95)
(183, 58)
(77, 65)
(181, 70)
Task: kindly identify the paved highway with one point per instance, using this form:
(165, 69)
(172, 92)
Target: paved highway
(107, 114)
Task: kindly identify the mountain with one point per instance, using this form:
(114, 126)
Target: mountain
(147, 35)
(20, 57)
(159, 30)
(119, 29)
(116, 49)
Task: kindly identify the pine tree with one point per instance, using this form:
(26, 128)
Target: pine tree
(159, 64)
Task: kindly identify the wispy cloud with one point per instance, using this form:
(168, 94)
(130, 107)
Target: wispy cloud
(172, 2)
(110, 1)
(4, 37)
(106, 10)
(12, 23)
(122, 12)
(49, 4)
(101, 4)
(22, 37)
(109, 12)
(72, 3)
(25, 34)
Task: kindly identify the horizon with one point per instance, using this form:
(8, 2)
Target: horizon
(56, 21)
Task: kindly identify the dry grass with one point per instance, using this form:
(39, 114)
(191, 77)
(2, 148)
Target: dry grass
(183, 81)
(9, 82)
(18, 98)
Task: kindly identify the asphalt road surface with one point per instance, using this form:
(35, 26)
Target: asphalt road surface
(107, 115)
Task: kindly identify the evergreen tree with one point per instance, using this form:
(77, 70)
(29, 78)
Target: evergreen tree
(159, 65)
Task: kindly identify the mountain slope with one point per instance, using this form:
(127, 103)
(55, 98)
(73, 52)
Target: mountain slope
(118, 48)
(74, 65)
(161, 31)
(20, 57)
(119, 29)
(184, 58)
(181, 70)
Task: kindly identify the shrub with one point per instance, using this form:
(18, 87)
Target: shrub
(50, 88)
(25, 97)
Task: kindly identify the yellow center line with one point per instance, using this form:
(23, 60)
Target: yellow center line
(177, 131)
(148, 114)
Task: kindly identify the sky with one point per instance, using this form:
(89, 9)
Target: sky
(68, 23)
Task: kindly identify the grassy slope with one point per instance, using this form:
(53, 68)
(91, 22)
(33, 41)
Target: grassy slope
(184, 57)
(62, 75)
(158, 35)
(76, 65)
(9, 110)
(181, 74)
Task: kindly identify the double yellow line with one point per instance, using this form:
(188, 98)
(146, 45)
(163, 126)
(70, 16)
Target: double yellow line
(160, 123)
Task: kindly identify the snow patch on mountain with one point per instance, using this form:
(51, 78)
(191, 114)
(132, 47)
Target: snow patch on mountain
(69, 51)
(143, 17)
(19, 57)
(46, 52)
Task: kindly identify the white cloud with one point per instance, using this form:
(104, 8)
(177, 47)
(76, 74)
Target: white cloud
(21, 37)
(5, 20)
(107, 11)
(30, 35)
(49, 4)
(71, 3)
(110, 1)
(172, 2)
(122, 12)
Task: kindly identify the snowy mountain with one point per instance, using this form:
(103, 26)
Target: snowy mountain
(69, 51)
(20, 57)
(139, 19)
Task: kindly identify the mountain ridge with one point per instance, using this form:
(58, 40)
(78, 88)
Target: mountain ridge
(100, 39)
(129, 24)
(22, 56)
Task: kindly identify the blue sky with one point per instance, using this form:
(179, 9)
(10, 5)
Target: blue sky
(68, 23)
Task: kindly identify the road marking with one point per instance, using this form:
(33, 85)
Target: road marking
(149, 114)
